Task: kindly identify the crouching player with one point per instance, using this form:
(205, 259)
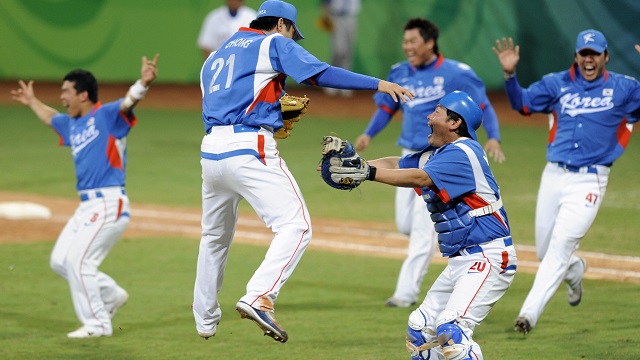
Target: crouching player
(464, 200)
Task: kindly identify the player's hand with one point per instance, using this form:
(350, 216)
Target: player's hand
(638, 48)
(149, 70)
(508, 54)
(362, 142)
(494, 151)
(24, 94)
(396, 91)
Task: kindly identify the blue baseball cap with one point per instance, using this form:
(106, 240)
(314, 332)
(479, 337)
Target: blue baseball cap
(281, 9)
(591, 39)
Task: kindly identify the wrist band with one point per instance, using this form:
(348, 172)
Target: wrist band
(509, 76)
(136, 93)
(372, 173)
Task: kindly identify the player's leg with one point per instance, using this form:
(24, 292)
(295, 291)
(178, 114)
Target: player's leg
(219, 218)
(64, 242)
(581, 199)
(547, 207)
(480, 281)
(101, 227)
(422, 247)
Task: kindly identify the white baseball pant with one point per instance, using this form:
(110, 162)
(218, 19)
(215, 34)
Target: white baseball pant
(567, 205)
(271, 190)
(83, 244)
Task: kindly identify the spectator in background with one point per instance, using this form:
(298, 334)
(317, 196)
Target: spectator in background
(223, 22)
(343, 17)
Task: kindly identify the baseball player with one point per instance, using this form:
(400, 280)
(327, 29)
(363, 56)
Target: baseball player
(591, 115)
(97, 135)
(465, 204)
(430, 76)
(223, 22)
(241, 84)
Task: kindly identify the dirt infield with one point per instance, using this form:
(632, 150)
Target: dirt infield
(379, 239)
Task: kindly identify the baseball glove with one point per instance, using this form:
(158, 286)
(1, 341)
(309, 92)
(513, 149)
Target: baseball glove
(341, 167)
(292, 108)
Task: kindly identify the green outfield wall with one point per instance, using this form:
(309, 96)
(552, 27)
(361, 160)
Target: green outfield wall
(44, 39)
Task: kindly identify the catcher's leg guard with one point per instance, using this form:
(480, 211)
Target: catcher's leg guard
(421, 341)
(455, 343)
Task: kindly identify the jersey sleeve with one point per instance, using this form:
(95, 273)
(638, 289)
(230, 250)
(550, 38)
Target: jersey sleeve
(119, 122)
(632, 105)
(537, 98)
(289, 58)
(60, 124)
(451, 173)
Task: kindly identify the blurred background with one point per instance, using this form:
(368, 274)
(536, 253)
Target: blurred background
(44, 39)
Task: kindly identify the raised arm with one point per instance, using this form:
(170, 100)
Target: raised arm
(137, 91)
(508, 54)
(26, 95)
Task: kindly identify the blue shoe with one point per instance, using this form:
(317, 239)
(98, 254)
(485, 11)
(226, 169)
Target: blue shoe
(265, 319)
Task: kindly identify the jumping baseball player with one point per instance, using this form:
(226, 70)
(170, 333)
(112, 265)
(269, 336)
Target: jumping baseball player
(430, 76)
(96, 133)
(241, 85)
(591, 115)
(465, 204)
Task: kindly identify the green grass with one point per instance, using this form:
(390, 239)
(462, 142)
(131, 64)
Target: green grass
(332, 305)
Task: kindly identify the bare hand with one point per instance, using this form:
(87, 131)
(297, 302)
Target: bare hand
(149, 70)
(493, 149)
(508, 54)
(396, 91)
(362, 142)
(24, 94)
(638, 48)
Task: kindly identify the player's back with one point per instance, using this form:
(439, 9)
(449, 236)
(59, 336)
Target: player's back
(237, 82)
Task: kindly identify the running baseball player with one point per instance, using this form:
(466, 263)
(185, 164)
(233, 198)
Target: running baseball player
(464, 200)
(591, 115)
(430, 76)
(96, 133)
(241, 85)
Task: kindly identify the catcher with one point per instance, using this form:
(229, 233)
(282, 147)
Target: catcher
(463, 197)
(241, 84)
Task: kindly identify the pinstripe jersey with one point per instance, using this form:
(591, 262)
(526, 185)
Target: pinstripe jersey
(591, 122)
(98, 143)
(242, 82)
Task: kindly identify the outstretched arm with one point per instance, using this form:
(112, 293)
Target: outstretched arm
(508, 54)
(137, 91)
(26, 96)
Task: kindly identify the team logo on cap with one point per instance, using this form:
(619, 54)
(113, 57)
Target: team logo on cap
(588, 37)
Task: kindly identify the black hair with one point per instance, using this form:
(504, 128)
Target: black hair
(428, 30)
(267, 23)
(463, 129)
(84, 81)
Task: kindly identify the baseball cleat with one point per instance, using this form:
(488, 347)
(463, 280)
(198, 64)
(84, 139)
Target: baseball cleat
(207, 334)
(574, 294)
(522, 325)
(84, 332)
(265, 319)
(121, 298)
(394, 302)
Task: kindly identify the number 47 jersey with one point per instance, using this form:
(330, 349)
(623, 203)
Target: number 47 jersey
(242, 81)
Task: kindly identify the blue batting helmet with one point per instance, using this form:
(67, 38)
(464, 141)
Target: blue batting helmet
(461, 103)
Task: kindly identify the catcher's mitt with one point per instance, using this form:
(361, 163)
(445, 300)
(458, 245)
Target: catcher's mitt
(341, 167)
(292, 108)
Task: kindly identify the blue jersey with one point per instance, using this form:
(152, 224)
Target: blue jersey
(429, 83)
(591, 121)
(463, 182)
(98, 144)
(243, 81)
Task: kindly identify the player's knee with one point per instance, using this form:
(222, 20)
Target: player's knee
(420, 338)
(451, 337)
